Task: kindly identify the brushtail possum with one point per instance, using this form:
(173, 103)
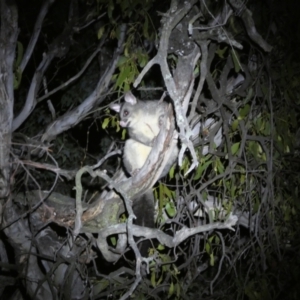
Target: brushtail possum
(143, 120)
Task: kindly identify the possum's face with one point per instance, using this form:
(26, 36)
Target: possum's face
(129, 111)
(129, 115)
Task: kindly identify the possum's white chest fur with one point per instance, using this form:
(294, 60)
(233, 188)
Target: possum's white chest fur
(143, 119)
(147, 125)
(135, 155)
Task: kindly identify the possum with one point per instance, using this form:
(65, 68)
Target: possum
(143, 120)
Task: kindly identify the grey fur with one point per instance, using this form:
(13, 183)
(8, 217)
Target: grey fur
(143, 120)
(143, 208)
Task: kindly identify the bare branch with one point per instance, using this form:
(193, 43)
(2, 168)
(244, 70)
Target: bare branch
(8, 40)
(58, 48)
(32, 92)
(68, 82)
(203, 71)
(68, 174)
(246, 17)
(72, 118)
(166, 239)
(36, 32)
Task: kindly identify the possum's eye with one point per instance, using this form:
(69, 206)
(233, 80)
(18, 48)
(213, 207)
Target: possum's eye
(125, 113)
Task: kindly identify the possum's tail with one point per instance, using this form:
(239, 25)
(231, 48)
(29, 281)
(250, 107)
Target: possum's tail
(143, 208)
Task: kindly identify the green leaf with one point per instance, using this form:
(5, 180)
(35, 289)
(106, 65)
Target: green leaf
(153, 278)
(220, 166)
(259, 124)
(17, 78)
(221, 51)
(126, 87)
(171, 290)
(232, 190)
(265, 89)
(100, 32)
(178, 293)
(171, 172)
(20, 51)
(200, 169)
(115, 123)
(124, 5)
(145, 26)
(168, 192)
(161, 247)
(253, 148)
(185, 165)
(170, 209)
(256, 204)
(207, 248)
(210, 239)
(244, 111)
(249, 95)
(212, 259)
(196, 71)
(235, 124)
(235, 148)
(267, 129)
(113, 240)
(105, 122)
(122, 60)
(110, 9)
(142, 59)
(161, 195)
(100, 285)
(236, 61)
(123, 76)
(123, 134)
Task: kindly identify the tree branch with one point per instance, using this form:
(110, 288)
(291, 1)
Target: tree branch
(8, 39)
(36, 32)
(74, 116)
(180, 86)
(58, 48)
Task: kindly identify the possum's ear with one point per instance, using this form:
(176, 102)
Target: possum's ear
(129, 98)
(116, 107)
